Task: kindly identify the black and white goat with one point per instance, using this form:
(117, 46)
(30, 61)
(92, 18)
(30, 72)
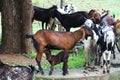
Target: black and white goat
(107, 48)
(90, 43)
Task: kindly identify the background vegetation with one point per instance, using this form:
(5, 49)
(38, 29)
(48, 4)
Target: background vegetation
(85, 5)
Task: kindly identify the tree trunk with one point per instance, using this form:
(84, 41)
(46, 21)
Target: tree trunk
(0, 6)
(15, 25)
(27, 24)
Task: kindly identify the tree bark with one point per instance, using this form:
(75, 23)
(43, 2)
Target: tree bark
(0, 6)
(15, 26)
(26, 24)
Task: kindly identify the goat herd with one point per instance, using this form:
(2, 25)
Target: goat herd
(98, 32)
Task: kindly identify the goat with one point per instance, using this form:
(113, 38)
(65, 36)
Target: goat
(54, 39)
(8, 72)
(67, 9)
(71, 20)
(107, 19)
(90, 43)
(44, 15)
(56, 59)
(95, 16)
(117, 27)
(107, 48)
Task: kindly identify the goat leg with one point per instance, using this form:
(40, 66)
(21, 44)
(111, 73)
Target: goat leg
(65, 71)
(39, 65)
(113, 52)
(42, 25)
(51, 70)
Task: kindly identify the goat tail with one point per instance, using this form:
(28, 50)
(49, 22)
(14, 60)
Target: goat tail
(29, 36)
(35, 44)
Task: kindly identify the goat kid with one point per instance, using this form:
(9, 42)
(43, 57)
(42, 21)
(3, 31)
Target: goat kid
(56, 59)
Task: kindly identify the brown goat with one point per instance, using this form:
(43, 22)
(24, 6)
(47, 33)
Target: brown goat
(117, 27)
(95, 16)
(54, 39)
(56, 59)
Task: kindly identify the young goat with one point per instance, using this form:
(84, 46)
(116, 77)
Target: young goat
(56, 59)
(8, 72)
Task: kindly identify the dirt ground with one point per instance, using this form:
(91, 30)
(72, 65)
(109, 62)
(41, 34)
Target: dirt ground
(17, 59)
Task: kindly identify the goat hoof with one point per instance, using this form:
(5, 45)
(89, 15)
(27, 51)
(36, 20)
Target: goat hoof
(108, 71)
(101, 67)
(64, 74)
(67, 72)
(114, 57)
(103, 72)
(42, 72)
(50, 73)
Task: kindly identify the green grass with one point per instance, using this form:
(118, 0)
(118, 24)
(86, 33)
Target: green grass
(31, 55)
(76, 61)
